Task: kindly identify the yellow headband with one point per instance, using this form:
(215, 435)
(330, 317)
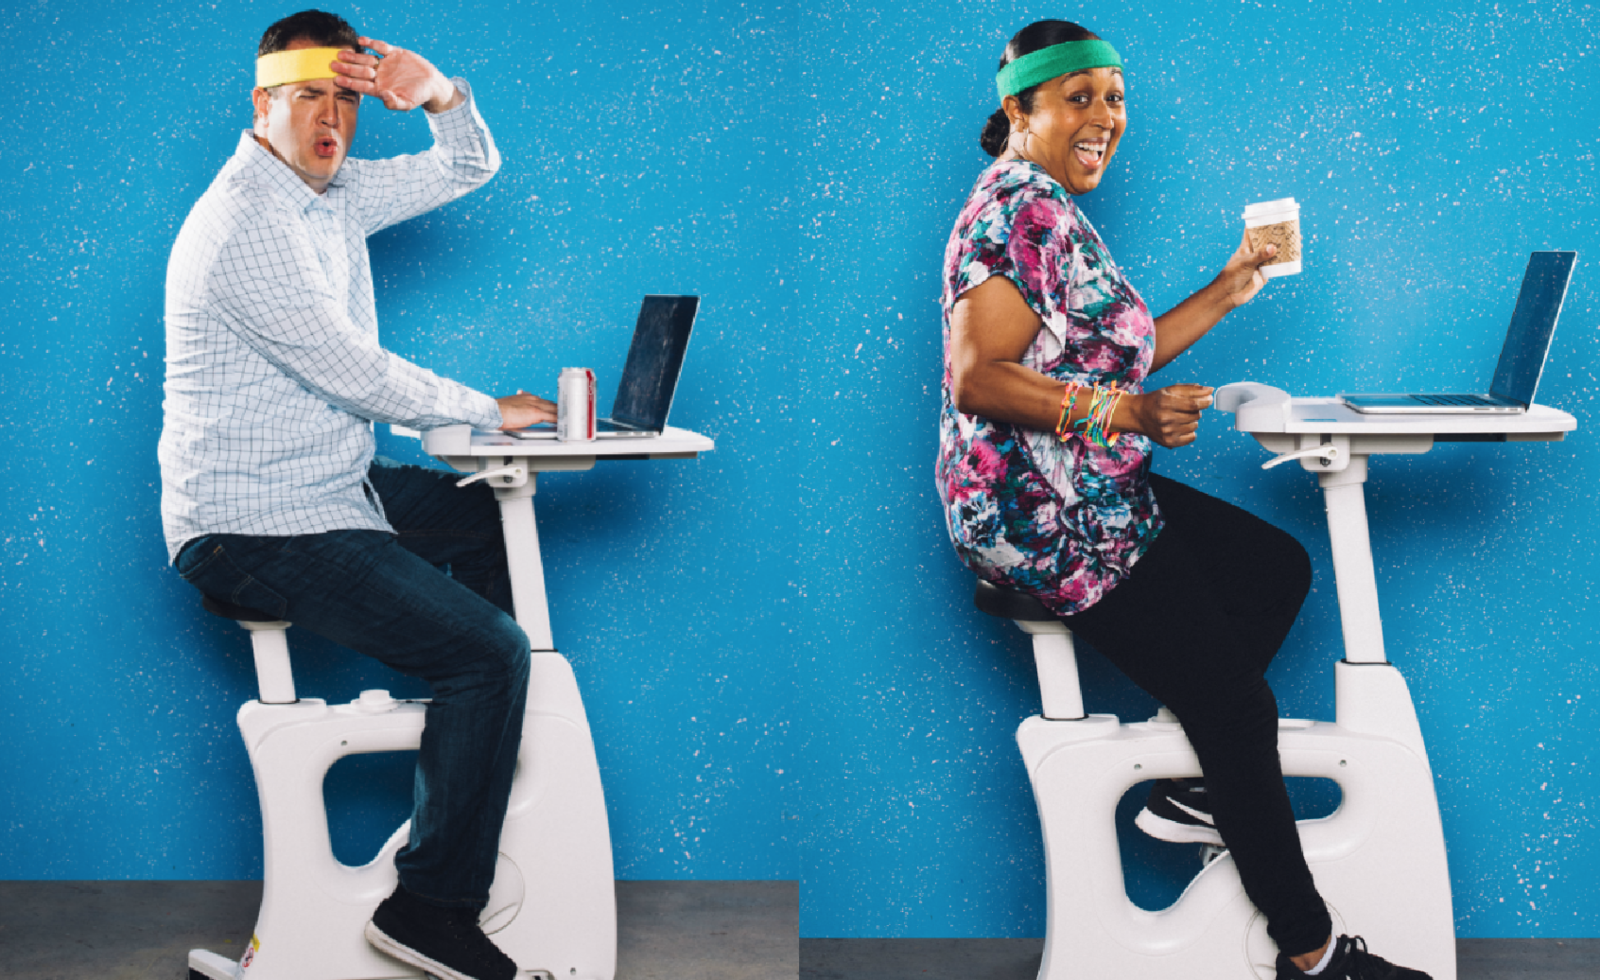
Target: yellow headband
(299, 65)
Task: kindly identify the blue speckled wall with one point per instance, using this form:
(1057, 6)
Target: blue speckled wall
(776, 645)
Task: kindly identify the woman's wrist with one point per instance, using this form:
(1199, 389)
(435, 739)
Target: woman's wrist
(1127, 417)
(1217, 298)
(1094, 412)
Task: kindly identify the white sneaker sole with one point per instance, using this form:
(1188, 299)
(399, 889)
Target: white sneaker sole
(405, 954)
(1173, 832)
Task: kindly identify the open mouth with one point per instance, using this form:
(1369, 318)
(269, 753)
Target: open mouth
(327, 147)
(1091, 153)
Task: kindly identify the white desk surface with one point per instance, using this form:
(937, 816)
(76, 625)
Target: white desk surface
(462, 440)
(1330, 415)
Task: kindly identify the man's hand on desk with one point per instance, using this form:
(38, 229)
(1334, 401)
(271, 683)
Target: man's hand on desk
(522, 410)
(402, 79)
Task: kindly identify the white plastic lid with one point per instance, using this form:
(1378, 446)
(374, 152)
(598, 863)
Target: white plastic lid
(1280, 206)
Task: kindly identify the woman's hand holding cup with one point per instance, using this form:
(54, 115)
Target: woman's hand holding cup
(1170, 416)
(1242, 278)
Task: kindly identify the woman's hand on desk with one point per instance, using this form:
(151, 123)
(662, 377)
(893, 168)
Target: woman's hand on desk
(1169, 416)
(522, 410)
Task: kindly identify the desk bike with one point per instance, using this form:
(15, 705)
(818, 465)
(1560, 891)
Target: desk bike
(552, 907)
(1378, 860)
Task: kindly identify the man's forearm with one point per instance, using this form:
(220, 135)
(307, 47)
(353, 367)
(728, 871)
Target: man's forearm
(447, 98)
(462, 158)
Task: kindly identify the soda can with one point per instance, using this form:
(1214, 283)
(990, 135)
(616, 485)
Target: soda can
(575, 405)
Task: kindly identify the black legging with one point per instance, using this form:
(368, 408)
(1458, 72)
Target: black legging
(1195, 624)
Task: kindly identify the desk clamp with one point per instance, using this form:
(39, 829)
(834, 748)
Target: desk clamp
(509, 475)
(1328, 452)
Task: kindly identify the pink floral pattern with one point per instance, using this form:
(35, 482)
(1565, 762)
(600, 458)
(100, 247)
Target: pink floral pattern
(1062, 521)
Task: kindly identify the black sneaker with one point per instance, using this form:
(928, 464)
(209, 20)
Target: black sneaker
(447, 943)
(1351, 961)
(1178, 810)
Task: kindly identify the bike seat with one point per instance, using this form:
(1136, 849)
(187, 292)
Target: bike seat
(228, 610)
(1009, 604)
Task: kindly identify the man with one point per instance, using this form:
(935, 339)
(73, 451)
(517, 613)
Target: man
(271, 497)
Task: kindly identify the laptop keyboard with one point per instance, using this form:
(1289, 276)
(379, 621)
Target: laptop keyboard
(1455, 400)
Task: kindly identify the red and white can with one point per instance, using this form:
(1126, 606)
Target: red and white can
(575, 405)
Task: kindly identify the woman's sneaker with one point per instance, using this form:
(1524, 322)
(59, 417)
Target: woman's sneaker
(447, 943)
(1179, 811)
(1351, 961)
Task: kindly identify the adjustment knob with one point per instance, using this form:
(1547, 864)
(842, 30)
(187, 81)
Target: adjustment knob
(374, 702)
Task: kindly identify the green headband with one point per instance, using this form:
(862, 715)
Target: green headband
(1058, 59)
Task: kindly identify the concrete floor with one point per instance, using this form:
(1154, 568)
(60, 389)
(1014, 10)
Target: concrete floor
(1018, 959)
(143, 930)
(667, 930)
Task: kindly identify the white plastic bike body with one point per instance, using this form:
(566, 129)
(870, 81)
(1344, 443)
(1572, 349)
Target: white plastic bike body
(1378, 860)
(552, 906)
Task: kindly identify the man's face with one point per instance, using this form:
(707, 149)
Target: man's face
(307, 125)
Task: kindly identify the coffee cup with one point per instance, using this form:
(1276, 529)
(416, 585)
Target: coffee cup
(1275, 223)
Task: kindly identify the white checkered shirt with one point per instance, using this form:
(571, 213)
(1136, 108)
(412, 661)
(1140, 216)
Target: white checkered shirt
(274, 371)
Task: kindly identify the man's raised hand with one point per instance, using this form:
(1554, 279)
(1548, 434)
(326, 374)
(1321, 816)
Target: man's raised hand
(402, 79)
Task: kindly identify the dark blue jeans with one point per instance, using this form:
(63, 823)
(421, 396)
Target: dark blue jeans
(386, 596)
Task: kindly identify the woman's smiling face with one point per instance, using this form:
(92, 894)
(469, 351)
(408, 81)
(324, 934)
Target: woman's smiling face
(1073, 130)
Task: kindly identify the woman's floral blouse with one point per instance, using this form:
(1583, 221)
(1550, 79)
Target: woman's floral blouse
(1062, 521)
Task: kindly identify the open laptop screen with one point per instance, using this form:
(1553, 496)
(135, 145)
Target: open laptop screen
(1544, 286)
(655, 357)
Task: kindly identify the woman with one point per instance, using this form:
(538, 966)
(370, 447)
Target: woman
(1044, 468)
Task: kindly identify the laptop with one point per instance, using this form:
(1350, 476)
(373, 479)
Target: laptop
(1516, 378)
(650, 375)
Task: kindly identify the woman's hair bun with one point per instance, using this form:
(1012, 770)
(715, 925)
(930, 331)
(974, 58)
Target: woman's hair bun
(995, 132)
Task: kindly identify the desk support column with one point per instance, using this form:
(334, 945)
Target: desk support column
(1352, 563)
(525, 564)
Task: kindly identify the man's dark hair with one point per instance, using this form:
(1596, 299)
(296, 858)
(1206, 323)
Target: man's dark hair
(1036, 36)
(327, 30)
